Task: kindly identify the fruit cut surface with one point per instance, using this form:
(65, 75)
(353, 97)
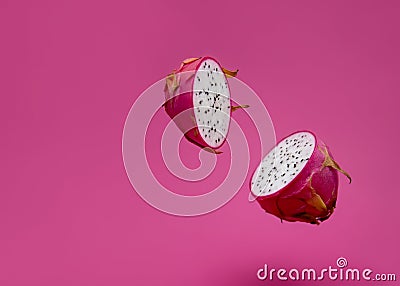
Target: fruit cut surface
(283, 163)
(211, 102)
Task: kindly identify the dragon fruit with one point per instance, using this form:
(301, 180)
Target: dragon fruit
(197, 98)
(298, 180)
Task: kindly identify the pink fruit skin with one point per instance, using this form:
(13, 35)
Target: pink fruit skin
(180, 102)
(292, 203)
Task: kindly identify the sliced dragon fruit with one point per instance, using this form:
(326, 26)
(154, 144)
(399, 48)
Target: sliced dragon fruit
(298, 180)
(197, 98)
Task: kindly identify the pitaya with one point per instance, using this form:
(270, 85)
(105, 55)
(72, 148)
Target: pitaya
(197, 98)
(298, 180)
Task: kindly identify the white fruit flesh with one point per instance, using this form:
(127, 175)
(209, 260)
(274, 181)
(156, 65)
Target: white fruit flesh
(283, 163)
(211, 101)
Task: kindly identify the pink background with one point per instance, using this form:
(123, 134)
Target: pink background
(69, 73)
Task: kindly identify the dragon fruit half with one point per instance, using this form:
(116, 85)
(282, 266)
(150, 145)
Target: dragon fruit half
(298, 180)
(197, 98)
